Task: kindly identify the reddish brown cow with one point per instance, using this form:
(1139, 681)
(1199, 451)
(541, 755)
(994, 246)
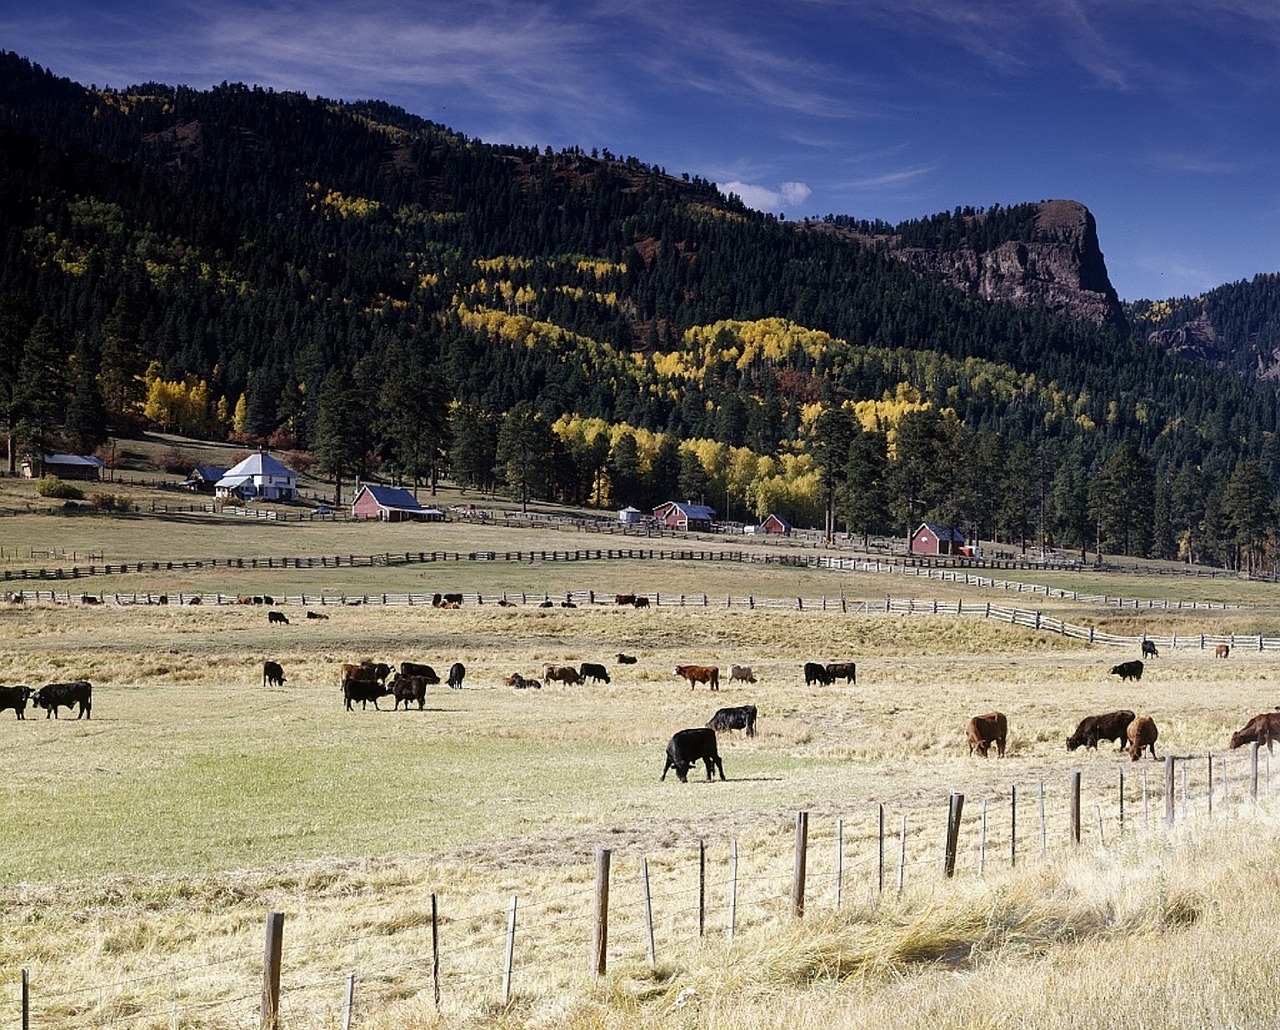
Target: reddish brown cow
(1142, 733)
(695, 674)
(985, 730)
(1222, 651)
(562, 673)
(1264, 729)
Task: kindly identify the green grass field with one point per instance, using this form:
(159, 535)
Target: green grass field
(155, 836)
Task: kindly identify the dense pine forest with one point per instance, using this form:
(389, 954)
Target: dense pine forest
(376, 295)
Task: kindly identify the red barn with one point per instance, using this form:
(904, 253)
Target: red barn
(932, 538)
(386, 504)
(685, 516)
(776, 525)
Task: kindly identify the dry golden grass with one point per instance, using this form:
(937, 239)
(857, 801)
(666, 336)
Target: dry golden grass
(144, 847)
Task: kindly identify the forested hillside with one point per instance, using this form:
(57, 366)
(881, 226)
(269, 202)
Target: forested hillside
(381, 295)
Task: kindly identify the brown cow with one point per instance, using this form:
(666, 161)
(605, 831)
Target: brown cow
(1142, 733)
(847, 671)
(708, 674)
(562, 673)
(1222, 651)
(985, 730)
(627, 599)
(741, 673)
(1264, 729)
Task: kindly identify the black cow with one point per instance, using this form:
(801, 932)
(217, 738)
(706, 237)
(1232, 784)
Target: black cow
(272, 674)
(593, 671)
(815, 672)
(689, 747)
(456, 672)
(316, 615)
(640, 602)
(1149, 649)
(15, 698)
(409, 688)
(1128, 670)
(1093, 728)
(53, 696)
(355, 690)
(847, 671)
(626, 659)
(381, 670)
(415, 669)
(741, 718)
(279, 617)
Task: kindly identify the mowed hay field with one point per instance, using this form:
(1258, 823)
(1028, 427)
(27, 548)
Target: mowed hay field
(144, 847)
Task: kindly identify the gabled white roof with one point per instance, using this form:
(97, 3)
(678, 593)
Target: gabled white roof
(259, 464)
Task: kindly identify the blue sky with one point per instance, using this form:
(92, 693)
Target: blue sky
(1161, 117)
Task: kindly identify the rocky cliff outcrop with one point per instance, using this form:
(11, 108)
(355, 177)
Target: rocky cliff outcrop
(1060, 267)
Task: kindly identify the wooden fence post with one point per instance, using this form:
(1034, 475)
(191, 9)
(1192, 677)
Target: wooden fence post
(1075, 807)
(600, 934)
(26, 1000)
(1122, 801)
(802, 854)
(348, 1001)
(1211, 783)
(982, 840)
(1044, 830)
(954, 810)
(902, 853)
(1253, 770)
(1169, 798)
(272, 950)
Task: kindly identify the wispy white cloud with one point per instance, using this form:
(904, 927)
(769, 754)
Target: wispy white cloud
(786, 197)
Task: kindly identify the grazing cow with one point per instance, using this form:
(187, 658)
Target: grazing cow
(53, 696)
(593, 671)
(272, 674)
(689, 747)
(1262, 729)
(561, 674)
(89, 599)
(409, 688)
(985, 730)
(1149, 649)
(363, 691)
(1093, 728)
(1222, 651)
(640, 602)
(316, 615)
(625, 599)
(741, 718)
(456, 673)
(15, 698)
(1128, 670)
(741, 674)
(280, 617)
(416, 669)
(815, 673)
(847, 671)
(453, 599)
(1142, 733)
(695, 674)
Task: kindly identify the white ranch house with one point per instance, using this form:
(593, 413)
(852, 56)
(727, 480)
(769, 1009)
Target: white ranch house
(259, 477)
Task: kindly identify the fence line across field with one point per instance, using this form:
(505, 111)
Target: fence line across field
(1026, 618)
(922, 568)
(636, 912)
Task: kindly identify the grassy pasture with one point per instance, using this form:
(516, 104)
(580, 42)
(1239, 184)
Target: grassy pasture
(157, 835)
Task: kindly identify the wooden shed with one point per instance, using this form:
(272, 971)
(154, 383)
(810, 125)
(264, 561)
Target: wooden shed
(386, 504)
(775, 525)
(932, 538)
(683, 515)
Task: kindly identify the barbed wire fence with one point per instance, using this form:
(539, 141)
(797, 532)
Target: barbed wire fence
(657, 909)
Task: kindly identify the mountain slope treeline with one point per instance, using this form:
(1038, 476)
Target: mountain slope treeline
(223, 261)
